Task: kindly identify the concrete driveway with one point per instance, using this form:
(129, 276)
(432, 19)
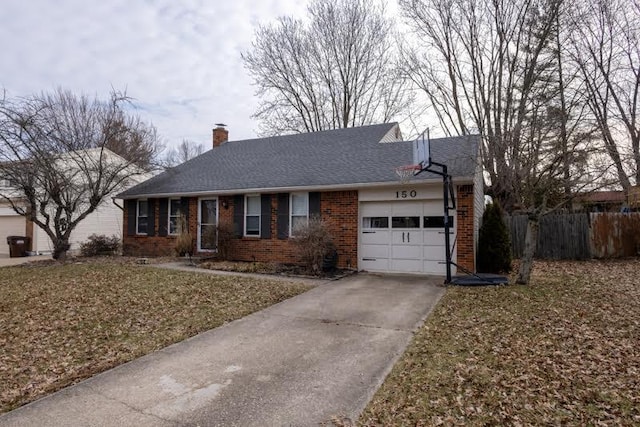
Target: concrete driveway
(298, 363)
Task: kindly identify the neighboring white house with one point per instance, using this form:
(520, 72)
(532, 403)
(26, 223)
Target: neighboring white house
(107, 219)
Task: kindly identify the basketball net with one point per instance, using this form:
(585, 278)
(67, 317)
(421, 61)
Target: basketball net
(405, 173)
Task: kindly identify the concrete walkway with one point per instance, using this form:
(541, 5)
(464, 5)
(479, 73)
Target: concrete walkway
(184, 266)
(298, 363)
(6, 261)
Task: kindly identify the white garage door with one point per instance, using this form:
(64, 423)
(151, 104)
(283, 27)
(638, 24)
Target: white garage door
(10, 225)
(403, 237)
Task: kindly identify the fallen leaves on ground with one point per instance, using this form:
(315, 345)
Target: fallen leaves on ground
(564, 350)
(63, 323)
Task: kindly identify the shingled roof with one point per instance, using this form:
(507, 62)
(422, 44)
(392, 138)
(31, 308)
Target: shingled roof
(341, 157)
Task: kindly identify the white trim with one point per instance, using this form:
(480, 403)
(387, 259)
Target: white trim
(246, 207)
(199, 224)
(291, 195)
(312, 188)
(146, 233)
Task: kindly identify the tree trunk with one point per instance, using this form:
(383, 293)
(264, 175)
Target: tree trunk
(60, 248)
(530, 243)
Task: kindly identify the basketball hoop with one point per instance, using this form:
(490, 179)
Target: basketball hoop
(406, 172)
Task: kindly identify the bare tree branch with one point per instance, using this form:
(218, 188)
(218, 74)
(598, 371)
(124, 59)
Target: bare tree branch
(186, 151)
(606, 48)
(338, 70)
(54, 149)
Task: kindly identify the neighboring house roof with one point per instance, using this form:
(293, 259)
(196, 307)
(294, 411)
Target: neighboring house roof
(602, 197)
(340, 157)
(88, 159)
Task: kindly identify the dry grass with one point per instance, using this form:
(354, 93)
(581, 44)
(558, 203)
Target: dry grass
(63, 323)
(242, 267)
(563, 351)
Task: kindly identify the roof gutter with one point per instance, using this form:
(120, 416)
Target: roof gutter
(334, 187)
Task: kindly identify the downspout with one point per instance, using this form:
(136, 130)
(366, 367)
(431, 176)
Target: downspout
(113, 200)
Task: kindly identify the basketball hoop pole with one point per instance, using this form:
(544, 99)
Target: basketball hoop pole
(447, 188)
(422, 158)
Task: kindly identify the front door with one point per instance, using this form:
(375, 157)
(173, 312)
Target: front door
(207, 224)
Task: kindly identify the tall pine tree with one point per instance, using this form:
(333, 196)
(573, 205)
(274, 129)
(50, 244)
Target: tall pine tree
(494, 245)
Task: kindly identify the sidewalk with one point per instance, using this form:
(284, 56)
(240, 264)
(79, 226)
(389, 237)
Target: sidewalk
(6, 261)
(298, 363)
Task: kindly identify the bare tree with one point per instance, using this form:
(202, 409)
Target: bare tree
(500, 68)
(142, 148)
(606, 48)
(53, 150)
(337, 70)
(185, 151)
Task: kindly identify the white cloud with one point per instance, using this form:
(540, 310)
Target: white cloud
(179, 60)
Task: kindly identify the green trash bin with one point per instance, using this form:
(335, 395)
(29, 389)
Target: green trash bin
(18, 246)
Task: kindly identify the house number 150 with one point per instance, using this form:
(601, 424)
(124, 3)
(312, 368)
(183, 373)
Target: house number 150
(405, 194)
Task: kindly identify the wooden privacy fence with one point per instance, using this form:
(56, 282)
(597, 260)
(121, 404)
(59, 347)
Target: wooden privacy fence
(615, 234)
(580, 235)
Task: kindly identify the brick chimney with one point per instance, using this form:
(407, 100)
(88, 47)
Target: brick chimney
(220, 135)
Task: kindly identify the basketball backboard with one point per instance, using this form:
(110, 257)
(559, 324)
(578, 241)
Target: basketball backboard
(422, 150)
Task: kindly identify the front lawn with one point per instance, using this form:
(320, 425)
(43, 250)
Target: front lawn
(60, 324)
(563, 351)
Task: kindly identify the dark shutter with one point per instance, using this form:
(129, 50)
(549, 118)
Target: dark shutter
(238, 215)
(265, 216)
(283, 215)
(314, 204)
(132, 212)
(163, 217)
(151, 219)
(184, 208)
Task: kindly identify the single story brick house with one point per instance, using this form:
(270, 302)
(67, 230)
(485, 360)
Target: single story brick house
(262, 187)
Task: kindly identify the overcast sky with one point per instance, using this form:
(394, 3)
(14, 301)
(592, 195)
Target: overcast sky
(180, 60)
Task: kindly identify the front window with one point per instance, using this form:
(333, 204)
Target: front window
(299, 210)
(252, 216)
(174, 216)
(142, 217)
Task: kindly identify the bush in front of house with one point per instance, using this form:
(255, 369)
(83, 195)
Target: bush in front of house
(100, 244)
(313, 242)
(225, 238)
(184, 241)
(494, 245)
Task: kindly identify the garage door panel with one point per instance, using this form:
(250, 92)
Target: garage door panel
(407, 237)
(375, 264)
(406, 252)
(433, 253)
(435, 267)
(375, 251)
(375, 237)
(436, 238)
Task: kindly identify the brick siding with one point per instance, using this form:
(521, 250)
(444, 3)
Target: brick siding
(141, 245)
(338, 208)
(464, 212)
